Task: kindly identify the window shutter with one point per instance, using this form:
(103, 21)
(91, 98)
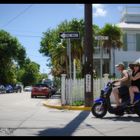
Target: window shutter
(125, 42)
(137, 42)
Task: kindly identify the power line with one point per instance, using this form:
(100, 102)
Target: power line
(27, 35)
(24, 31)
(22, 12)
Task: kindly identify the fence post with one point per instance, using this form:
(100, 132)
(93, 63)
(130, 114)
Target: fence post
(105, 79)
(106, 76)
(63, 89)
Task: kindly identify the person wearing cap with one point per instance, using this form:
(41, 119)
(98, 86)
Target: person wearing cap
(135, 81)
(123, 87)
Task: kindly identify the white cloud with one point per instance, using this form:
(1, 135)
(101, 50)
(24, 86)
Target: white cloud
(97, 5)
(99, 10)
(120, 8)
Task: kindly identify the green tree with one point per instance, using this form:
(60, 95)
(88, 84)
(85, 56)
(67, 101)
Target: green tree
(31, 74)
(10, 50)
(114, 33)
(51, 47)
(57, 52)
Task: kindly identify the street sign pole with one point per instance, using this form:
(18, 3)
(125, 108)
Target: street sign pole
(69, 44)
(68, 36)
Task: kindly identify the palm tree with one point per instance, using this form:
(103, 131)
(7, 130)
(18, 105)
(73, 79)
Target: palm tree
(77, 46)
(114, 34)
(58, 54)
(59, 60)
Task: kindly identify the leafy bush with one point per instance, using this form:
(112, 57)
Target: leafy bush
(78, 103)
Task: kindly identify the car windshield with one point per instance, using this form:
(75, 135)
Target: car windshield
(40, 85)
(1, 86)
(28, 87)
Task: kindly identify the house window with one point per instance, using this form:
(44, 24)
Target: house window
(126, 64)
(131, 42)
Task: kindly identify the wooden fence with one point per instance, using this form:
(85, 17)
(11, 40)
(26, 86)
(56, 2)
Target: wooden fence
(73, 90)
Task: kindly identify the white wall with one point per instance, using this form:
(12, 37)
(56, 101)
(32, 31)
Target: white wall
(121, 56)
(132, 18)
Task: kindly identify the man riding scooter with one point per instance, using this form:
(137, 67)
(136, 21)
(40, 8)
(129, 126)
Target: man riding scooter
(124, 83)
(102, 105)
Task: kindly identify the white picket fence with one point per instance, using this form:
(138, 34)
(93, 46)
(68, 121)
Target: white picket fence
(73, 90)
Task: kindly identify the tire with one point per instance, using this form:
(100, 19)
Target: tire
(99, 110)
(138, 114)
(137, 110)
(119, 112)
(32, 96)
(48, 96)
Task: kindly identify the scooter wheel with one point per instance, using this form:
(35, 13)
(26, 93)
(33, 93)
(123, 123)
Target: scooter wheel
(119, 112)
(137, 110)
(99, 110)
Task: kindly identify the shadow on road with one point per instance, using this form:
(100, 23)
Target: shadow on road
(68, 129)
(123, 118)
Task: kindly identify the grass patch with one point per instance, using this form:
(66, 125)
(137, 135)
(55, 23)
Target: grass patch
(78, 103)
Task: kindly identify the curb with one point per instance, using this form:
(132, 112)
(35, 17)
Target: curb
(68, 107)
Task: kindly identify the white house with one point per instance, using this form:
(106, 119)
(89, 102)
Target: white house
(130, 25)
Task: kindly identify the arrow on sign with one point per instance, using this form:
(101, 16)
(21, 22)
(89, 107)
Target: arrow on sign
(62, 35)
(69, 35)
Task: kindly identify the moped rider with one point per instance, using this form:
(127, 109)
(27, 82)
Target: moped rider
(135, 81)
(124, 83)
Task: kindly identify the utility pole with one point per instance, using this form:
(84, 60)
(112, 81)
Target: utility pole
(88, 52)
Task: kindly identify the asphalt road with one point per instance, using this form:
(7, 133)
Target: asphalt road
(22, 116)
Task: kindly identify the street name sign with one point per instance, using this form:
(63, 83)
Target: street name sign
(88, 83)
(74, 35)
(101, 38)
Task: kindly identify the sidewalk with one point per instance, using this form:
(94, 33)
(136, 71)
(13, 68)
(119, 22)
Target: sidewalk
(55, 102)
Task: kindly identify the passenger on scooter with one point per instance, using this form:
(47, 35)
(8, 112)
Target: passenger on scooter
(123, 87)
(135, 81)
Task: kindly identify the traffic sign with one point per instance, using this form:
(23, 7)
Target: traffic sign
(101, 37)
(88, 83)
(74, 35)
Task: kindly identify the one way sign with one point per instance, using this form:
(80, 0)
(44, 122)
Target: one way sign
(64, 35)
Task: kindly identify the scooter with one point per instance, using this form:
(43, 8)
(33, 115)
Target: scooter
(102, 105)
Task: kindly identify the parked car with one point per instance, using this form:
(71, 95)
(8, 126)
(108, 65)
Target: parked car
(9, 89)
(40, 90)
(53, 90)
(17, 88)
(50, 84)
(28, 88)
(2, 89)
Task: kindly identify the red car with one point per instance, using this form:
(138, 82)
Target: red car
(40, 90)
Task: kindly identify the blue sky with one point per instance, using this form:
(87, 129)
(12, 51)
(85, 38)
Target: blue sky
(28, 21)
